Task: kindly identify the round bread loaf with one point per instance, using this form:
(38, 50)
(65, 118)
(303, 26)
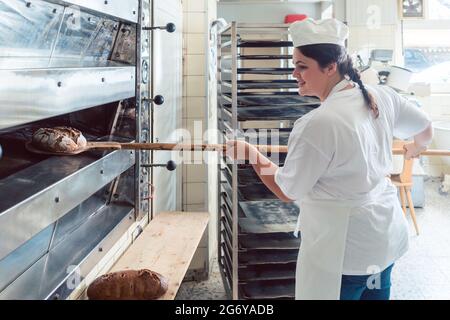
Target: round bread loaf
(58, 139)
(128, 285)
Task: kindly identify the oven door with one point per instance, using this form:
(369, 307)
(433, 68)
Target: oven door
(167, 81)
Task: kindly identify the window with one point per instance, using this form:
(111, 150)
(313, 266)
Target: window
(426, 45)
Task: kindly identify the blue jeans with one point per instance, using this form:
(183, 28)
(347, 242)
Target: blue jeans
(371, 287)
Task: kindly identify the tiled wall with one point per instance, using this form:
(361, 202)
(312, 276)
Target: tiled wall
(196, 15)
(194, 98)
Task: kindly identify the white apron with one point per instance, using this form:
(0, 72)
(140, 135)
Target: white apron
(324, 225)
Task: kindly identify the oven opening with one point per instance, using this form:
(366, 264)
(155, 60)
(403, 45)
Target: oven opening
(68, 203)
(114, 121)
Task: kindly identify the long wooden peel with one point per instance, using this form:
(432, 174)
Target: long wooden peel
(429, 152)
(197, 147)
(222, 147)
(262, 148)
(194, 147)
(152, 146)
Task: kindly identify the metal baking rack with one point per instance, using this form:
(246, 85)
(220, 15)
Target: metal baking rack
(258, 101)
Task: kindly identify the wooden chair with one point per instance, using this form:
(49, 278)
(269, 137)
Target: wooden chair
(404, 182)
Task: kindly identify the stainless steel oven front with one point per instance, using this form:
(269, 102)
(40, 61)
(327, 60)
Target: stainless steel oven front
(84, 64)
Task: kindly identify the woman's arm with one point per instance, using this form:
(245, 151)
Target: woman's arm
(421, 141)
(264, 168)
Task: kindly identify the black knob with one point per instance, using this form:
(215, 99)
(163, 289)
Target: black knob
(158, 100)
(171, 165)
(170, 27)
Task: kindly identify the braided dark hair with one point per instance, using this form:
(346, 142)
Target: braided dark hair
(326, 53)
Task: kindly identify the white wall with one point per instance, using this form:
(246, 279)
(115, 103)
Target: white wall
(264, 13)
(197, 15)
(438, 108)
(166, 81)
(373, 24)
(339, 10)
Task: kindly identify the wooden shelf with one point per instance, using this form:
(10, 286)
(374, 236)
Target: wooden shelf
(167, 246)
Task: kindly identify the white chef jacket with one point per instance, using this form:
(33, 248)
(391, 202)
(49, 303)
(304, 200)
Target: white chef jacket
(341, 151)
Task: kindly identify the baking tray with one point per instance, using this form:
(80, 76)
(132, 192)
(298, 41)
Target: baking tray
(271, 99)
(263, 84)
(273, 241)
(282, 271)
(258, 272)
(279, 240)
(261, 192)
(269, 289)
(265, 136)
(265, 57)
(270, 216)
(271, 71)
(246, 174)
(271, 211)
(270, 257)
(267, 215)
(270, 113)
(264, 44)
(254, 192)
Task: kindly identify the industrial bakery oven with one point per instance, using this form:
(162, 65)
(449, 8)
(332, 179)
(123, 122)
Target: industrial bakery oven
(83, 64)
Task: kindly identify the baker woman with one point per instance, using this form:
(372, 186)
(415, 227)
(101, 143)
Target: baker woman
(337, 167)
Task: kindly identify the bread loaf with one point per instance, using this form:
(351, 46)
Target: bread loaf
(58, 139)
(128, 285)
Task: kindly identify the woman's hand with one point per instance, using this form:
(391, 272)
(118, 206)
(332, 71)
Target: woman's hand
(265, 169)
(240, 150)
(413, 150)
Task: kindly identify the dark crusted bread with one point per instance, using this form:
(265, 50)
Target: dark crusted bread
(128, 285)
(58, 139)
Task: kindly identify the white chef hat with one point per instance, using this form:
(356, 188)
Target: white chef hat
(310, 31)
